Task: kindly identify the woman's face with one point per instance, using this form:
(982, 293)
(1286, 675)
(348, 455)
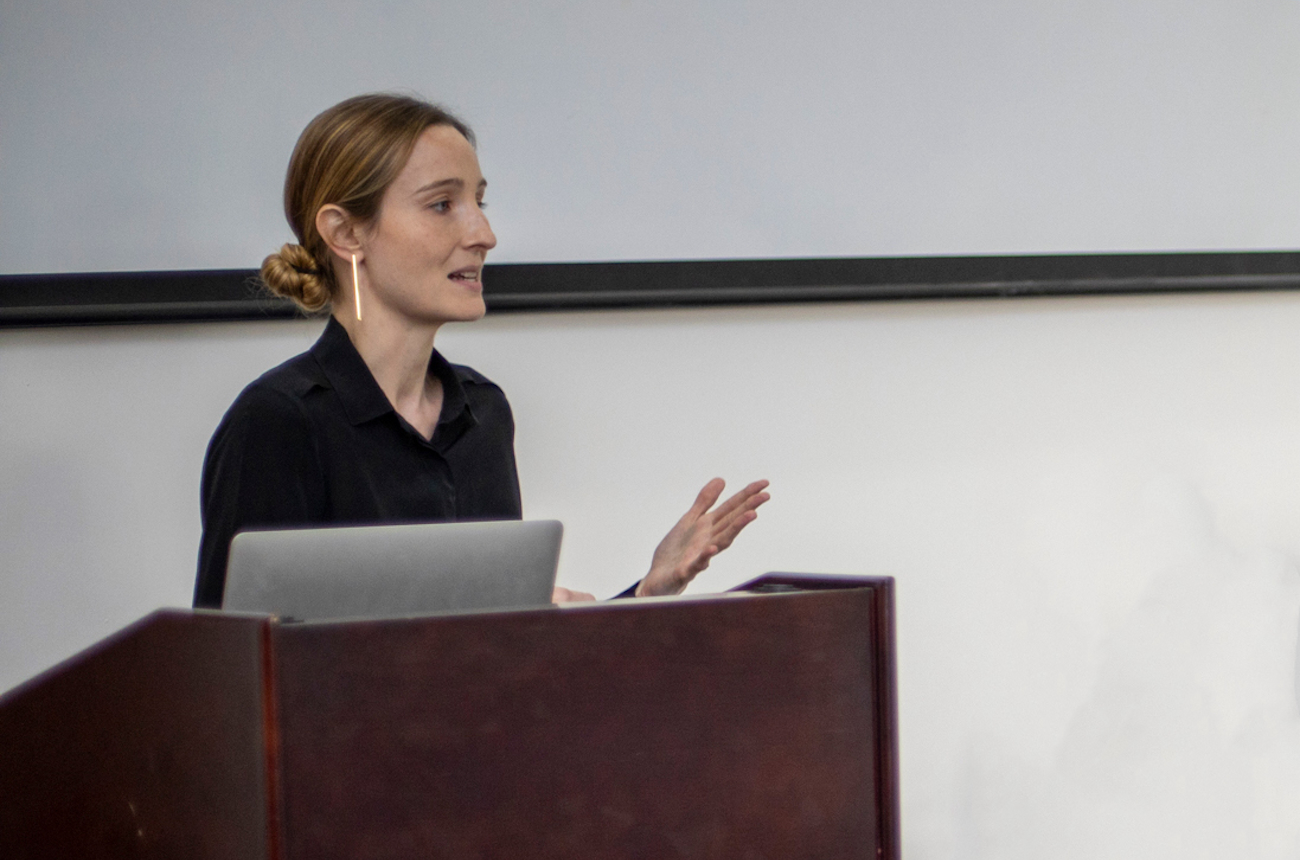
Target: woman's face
(424, 254)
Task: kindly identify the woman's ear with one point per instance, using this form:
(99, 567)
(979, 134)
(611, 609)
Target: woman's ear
(340, 231)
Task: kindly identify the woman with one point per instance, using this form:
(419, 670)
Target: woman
(372, 424)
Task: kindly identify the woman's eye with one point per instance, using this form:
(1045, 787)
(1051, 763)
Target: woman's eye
(482, 204)
(440, 206)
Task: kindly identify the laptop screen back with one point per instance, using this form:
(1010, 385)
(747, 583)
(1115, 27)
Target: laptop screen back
(393, 570)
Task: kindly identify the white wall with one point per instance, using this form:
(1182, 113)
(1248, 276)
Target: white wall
(1090, 506)
(151, 134)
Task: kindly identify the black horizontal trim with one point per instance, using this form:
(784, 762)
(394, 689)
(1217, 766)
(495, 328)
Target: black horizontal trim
(235, 294)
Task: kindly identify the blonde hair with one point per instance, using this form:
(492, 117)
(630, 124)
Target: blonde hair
(347, 156)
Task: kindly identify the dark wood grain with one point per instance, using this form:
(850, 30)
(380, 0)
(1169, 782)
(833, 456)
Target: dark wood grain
(147, 746)
(738, 726)
(752, 725)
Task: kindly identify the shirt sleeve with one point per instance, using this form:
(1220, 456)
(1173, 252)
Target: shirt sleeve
(262, 469)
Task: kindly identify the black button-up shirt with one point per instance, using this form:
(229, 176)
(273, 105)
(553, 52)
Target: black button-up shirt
(315, 441)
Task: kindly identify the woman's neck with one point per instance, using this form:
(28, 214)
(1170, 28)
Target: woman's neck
(397, 354)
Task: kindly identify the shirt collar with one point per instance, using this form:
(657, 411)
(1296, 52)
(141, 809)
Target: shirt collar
(362, 398)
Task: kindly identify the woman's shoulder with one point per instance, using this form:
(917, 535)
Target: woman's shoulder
(478, 388)
(484, 396)
(292, 378)
(278, 395)
(466, 374)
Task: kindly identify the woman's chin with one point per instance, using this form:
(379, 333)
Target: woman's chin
(469, 309)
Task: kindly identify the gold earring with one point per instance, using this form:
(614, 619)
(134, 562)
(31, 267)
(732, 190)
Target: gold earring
(356, 286)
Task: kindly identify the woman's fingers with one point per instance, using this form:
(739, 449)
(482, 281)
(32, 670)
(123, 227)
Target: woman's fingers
(724, 535)
(701, 533)
(741, 498)
(707, 497)
(725, 528)
(560, 594)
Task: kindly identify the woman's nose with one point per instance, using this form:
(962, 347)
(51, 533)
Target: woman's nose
(479, 231)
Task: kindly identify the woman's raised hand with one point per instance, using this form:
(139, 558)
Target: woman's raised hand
(699, 536)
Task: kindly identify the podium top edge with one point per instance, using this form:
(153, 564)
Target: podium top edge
(781, 581)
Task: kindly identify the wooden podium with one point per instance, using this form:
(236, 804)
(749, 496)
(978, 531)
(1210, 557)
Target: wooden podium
(756, 724)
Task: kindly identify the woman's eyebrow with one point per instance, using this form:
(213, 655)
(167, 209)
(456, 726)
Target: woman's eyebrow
(440, 184)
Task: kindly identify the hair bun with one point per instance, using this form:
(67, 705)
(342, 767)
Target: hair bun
(300, 258)
(294, 273)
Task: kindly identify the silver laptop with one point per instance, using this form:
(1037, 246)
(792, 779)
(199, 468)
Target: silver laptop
(385, 571)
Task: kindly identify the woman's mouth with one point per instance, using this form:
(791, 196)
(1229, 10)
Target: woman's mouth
(465, 275)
